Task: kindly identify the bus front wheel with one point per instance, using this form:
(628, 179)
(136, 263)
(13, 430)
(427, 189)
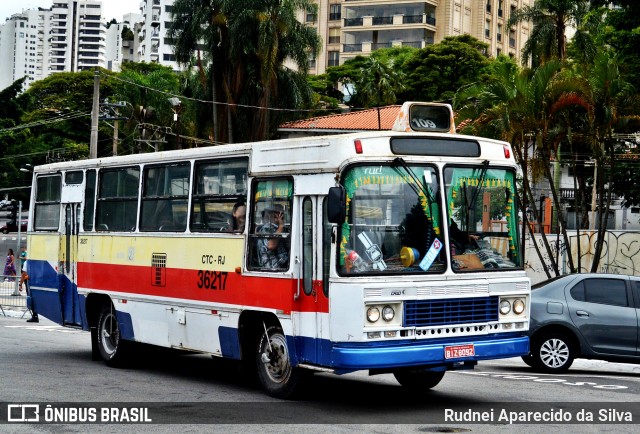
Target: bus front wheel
(418, 380)
(112, 348)
(277, 377)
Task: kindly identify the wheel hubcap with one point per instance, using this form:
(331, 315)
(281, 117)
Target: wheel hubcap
(110, 334)
(554, 353)
(276, 362)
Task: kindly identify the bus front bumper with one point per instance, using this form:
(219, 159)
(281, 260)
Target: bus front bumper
(367, 356)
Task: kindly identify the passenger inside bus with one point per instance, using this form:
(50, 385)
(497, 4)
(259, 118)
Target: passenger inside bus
(238, 216)
(272, 252)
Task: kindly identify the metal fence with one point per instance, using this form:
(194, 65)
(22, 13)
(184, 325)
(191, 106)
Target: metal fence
(10, 296)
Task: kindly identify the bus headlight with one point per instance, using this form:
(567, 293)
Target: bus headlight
(388, 313)
(373, 314)
(518, 306)
(505, 307)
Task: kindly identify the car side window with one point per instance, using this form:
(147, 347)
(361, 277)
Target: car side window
(605, 291)
(577, 292)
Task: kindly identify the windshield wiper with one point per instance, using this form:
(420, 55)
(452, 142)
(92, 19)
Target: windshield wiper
(399, 161)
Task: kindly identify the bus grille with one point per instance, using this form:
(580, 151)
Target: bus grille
(423, 313)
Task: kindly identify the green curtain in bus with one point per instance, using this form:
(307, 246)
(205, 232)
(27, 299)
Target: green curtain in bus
(492, 179)
(359, 176)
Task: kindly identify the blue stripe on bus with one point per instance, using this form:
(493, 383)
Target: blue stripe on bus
(364, 356)
(229, 342)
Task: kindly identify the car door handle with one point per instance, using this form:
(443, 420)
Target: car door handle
(582, 313)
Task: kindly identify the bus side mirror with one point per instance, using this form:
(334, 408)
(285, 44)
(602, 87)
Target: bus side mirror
(337, 205)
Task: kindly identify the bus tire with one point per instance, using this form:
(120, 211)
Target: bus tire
(417, 379)
(277, 377)
(113, 349)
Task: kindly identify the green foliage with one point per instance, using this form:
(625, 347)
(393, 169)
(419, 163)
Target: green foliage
(248, 42)
(437, 71)
(127, 34)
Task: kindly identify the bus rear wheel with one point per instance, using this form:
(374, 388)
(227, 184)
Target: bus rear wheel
(418, 380)
(275, 372)
(113, 349)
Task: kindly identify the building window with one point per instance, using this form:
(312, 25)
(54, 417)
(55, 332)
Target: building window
(487, 29)
(488, 8)
(334, 35)
(499, 34)
(499, 8)
(335, 12)
(334, 58)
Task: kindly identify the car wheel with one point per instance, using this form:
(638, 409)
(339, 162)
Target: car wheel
(553, 353)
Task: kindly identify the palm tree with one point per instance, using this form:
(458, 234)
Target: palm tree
(379, 82)
(198, 33)
(607, 94)
(550, 20)
(521, 107)
(247, 43)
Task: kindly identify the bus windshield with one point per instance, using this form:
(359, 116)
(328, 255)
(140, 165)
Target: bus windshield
(395, 219)
(482, 217)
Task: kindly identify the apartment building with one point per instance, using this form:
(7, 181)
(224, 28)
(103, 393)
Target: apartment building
(70, 36)
(77, 35)
(23, 38)
(153, 44)
(357, 27)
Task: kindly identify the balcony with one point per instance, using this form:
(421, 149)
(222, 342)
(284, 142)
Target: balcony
(379, 45)
(368, 47)
(412, 19)
(381, 21)
(351, 48)
(353, 22)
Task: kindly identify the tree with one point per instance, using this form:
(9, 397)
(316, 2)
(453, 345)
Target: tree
(379, 82)
(247, 44)
(550, 20)
(522, 107)
(435, 72)
(147, 88)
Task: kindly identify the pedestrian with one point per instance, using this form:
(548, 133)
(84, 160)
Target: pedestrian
(10, 267)
(23, 267)
(30, 303)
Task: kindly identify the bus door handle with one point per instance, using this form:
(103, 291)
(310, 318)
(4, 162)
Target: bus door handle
(299, 267)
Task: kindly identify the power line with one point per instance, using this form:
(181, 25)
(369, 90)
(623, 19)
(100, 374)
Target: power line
(215, 102)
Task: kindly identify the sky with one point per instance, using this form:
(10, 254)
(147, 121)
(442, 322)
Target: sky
(111, 8)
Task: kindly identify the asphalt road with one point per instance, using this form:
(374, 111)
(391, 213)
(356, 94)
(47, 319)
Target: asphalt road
(44, 363)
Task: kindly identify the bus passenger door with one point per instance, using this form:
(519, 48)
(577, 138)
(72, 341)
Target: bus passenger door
(67, 275)
(311, 302)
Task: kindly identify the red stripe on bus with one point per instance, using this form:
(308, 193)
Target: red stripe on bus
(202, 285)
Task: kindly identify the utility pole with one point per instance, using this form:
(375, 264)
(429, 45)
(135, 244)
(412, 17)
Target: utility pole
(110, 113)
(93, 144)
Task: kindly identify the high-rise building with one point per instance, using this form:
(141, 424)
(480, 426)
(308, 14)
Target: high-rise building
(357, 27)
(77, 35)
(24, 47)
(152, 35)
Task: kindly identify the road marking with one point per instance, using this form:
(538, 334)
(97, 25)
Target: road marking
(540, 378)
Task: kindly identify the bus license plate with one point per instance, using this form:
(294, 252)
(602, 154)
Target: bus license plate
(458, 351)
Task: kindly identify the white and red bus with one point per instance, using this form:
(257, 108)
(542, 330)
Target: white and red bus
(389, 251)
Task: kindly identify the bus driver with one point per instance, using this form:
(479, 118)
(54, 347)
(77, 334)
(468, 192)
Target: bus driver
(272, 253)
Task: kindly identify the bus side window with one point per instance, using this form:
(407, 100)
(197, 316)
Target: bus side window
(269, 242)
